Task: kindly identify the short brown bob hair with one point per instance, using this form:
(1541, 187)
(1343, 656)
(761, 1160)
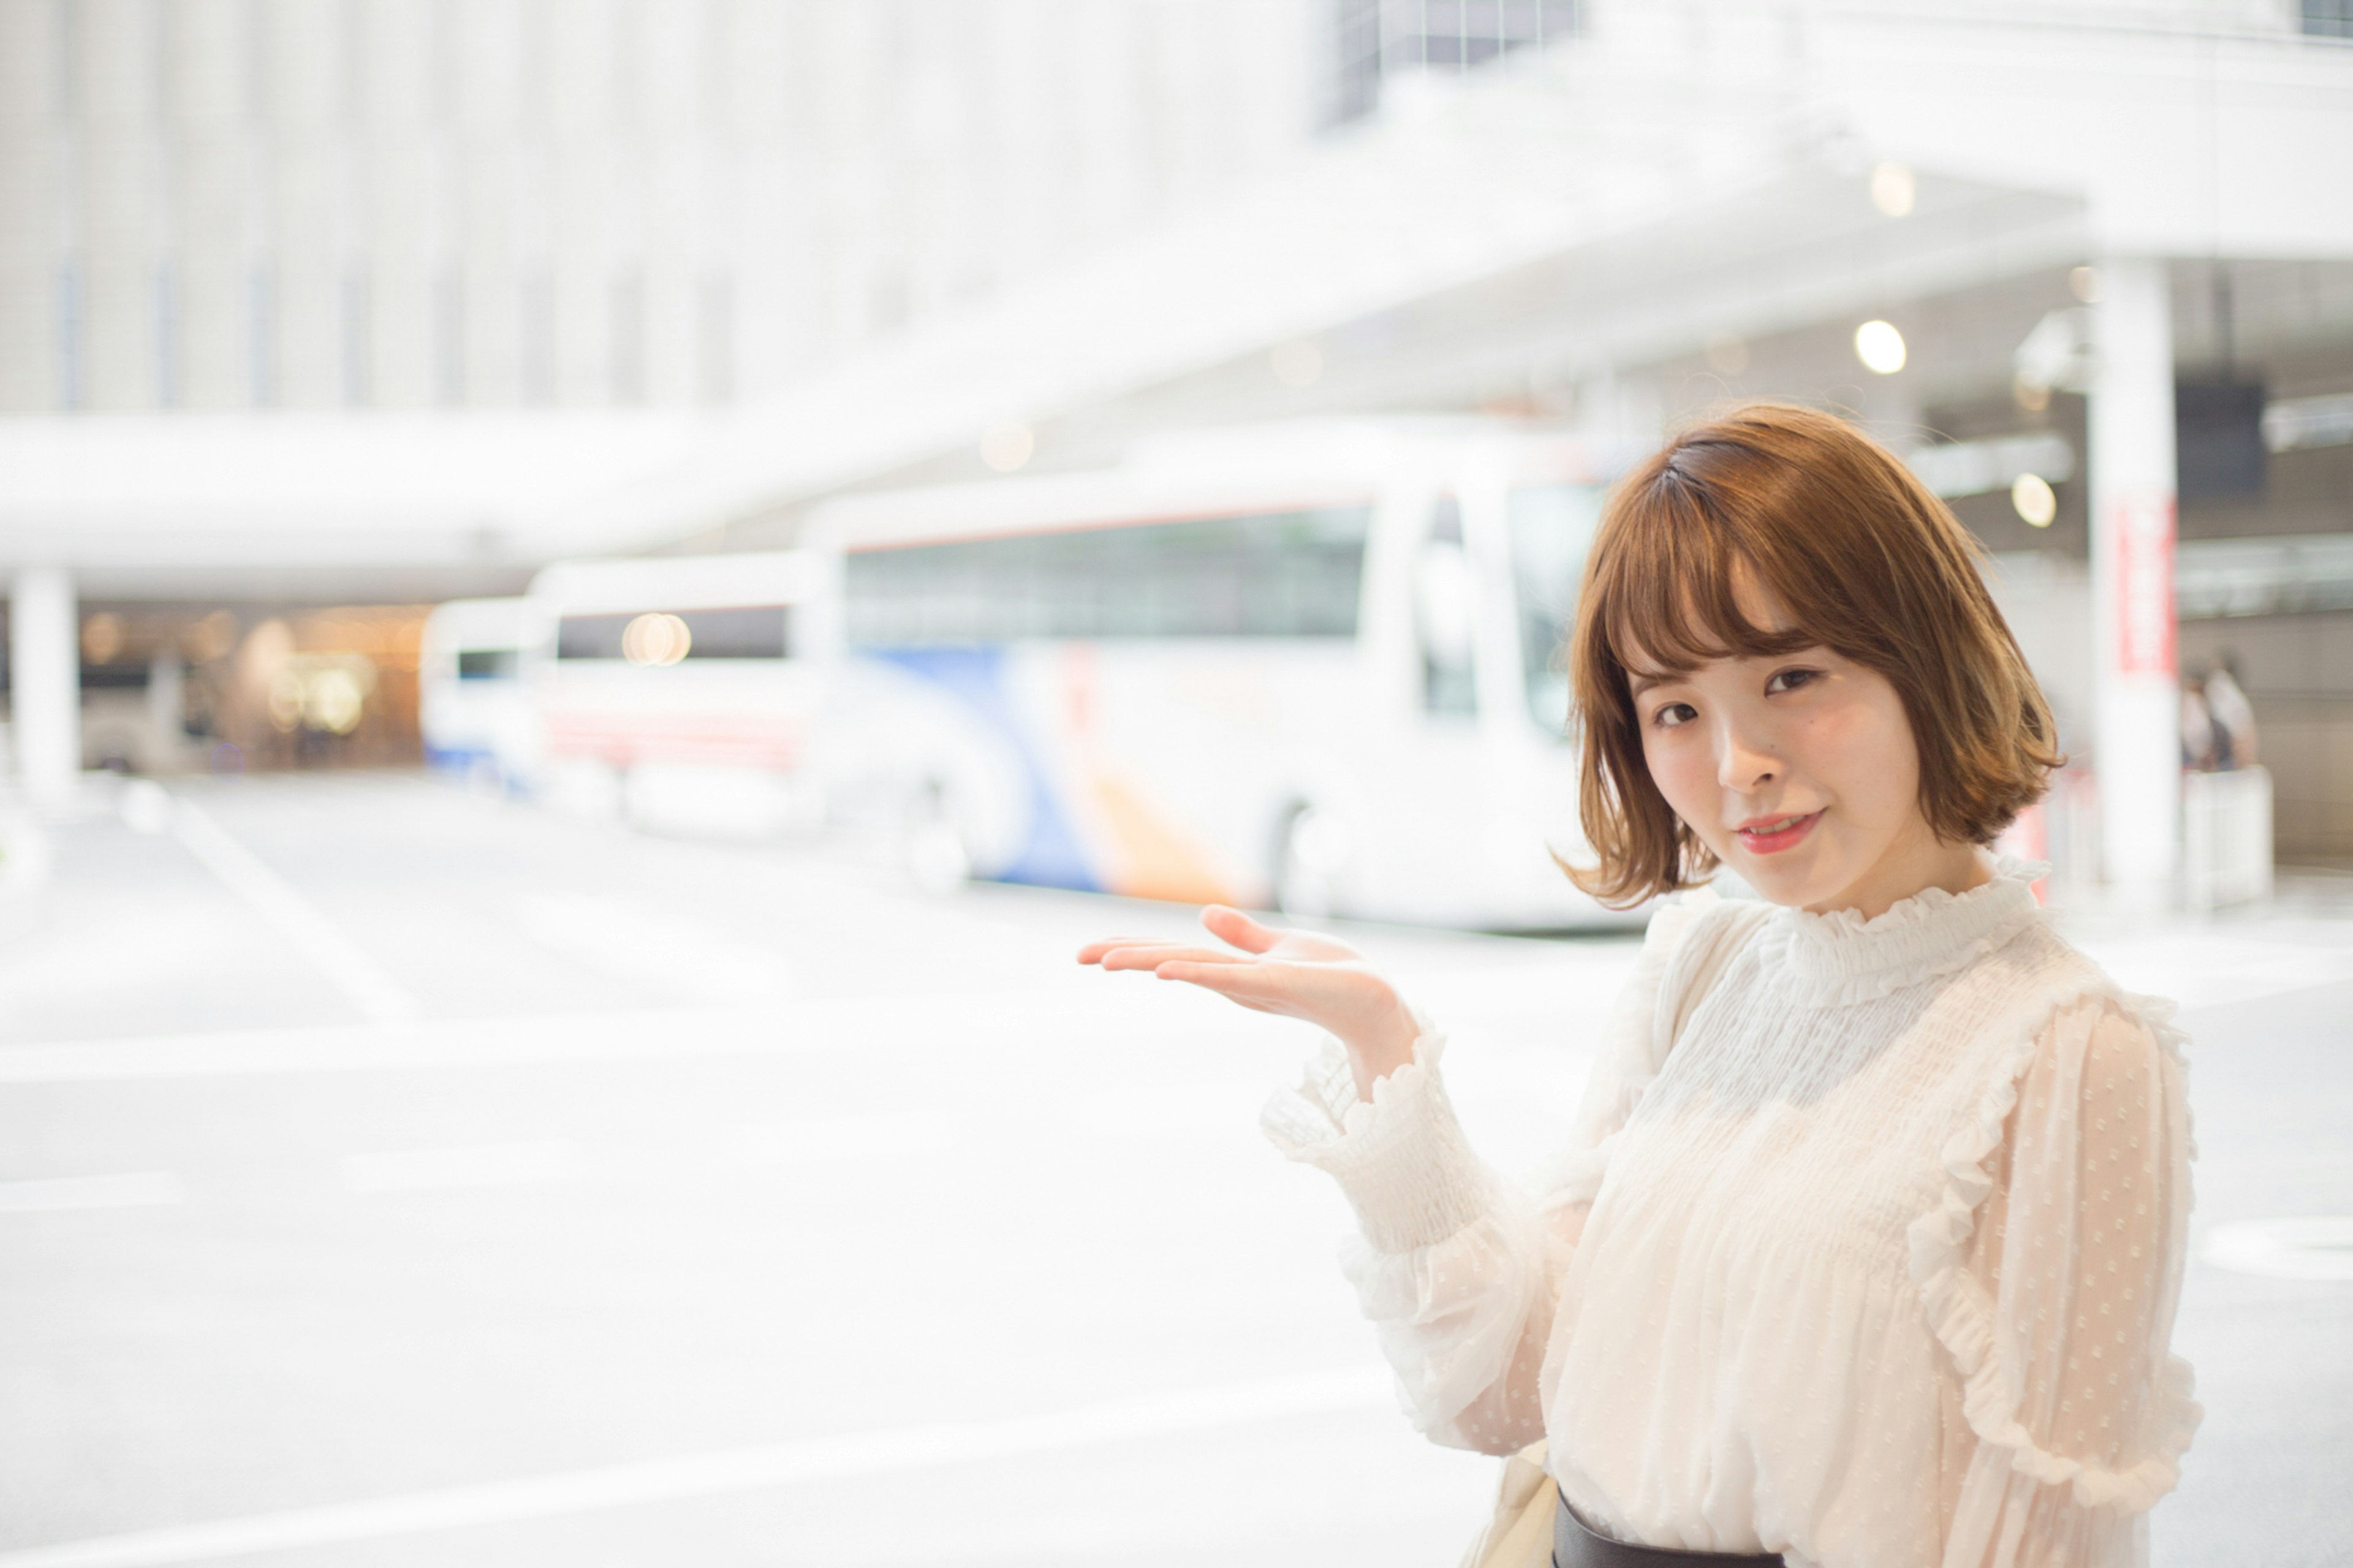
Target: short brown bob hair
(1866, 561)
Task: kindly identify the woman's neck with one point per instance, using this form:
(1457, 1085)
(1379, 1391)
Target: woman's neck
(1909, 867)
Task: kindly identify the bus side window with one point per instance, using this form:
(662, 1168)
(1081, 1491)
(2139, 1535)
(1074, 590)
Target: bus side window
(1443, 616)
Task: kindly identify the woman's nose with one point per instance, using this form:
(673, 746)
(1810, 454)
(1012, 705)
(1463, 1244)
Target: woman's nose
(1743, 764)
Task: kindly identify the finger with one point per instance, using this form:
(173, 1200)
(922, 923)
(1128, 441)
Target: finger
(1093, 952)
(1154, 957)
(1232, 925)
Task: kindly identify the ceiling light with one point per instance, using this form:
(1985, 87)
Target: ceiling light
(1880, 347)
(2032, 496)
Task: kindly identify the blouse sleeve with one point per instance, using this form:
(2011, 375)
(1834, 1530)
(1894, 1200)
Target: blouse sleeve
(2080, 1410)
(1458, 1270)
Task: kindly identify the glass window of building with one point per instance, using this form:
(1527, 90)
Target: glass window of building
(1374, 40)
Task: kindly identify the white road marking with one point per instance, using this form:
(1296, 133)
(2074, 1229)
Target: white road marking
(470, 1165)
(1191, 1116)
(376, 993)
(130, 1190)
(727, 1471)
(912, 1022)
(2305, 1247)
(480, 1042)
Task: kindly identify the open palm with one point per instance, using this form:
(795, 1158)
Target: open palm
(1296, 973)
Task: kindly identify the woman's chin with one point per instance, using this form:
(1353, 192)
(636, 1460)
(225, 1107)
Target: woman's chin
(1802, 877)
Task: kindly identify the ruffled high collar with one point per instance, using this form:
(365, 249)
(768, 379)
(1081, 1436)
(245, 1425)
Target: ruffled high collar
(1841, 957)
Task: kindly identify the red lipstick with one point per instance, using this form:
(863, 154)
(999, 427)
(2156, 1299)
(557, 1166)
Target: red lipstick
(1771, 834)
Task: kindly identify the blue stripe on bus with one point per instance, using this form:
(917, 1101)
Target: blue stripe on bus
(1050, 855)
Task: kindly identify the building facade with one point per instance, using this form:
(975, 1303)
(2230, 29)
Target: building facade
(232, 205)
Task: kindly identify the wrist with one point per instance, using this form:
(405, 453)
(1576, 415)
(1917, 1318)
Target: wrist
(1384, 1044)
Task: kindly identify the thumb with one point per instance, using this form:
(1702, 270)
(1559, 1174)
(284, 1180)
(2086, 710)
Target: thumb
(1233, 926)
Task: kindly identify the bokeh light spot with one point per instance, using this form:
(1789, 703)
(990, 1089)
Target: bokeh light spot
(2036, 501)
(101, 638)
(656, 640)
(332, 700)
(1008, 447)
(1880, 347)
(1893, 189)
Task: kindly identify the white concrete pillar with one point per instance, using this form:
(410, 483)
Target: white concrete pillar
(209, 94)
(2136, 733)
(393, 58)
(308, 331)
(32, 228)
(679, 208)
(495, 201)
(119, 171)
(167, 710)
(45, 683)
(578, 68)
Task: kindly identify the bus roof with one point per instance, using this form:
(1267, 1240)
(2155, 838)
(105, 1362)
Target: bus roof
(1266, 468)
(676, 582)
(479, 624)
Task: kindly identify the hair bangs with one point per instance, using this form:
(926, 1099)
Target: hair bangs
(1668, 600)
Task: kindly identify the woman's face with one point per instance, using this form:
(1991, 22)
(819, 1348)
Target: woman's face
(1800, 773)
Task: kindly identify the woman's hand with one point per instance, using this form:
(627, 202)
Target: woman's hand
(1295, 972)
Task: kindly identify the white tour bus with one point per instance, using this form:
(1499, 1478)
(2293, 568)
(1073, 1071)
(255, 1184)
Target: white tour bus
(672, 690)
(470, 709)
(1308, 665)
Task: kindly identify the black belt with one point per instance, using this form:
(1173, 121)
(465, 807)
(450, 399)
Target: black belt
(1576, 1544)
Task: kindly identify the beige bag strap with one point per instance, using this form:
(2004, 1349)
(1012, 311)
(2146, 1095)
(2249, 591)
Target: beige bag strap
(1519, 1535)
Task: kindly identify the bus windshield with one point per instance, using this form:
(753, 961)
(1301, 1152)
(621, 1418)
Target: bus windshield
(1552, 529)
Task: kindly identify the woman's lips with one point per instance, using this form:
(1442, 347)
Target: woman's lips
(1778, 834)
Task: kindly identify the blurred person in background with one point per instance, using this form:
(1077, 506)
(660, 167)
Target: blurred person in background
(2199, 752)
(1866, 1247)
(2234, 715)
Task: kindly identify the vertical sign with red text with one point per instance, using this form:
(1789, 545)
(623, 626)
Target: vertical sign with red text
(2143, 580)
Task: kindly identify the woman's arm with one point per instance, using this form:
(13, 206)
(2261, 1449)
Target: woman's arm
(1459, 1271)
(2080, 1412)
(1451, 1266)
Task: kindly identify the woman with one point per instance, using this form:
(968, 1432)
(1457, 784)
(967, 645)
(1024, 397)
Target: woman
(1866, 1247)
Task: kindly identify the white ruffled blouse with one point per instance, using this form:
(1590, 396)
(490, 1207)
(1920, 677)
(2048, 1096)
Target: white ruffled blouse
(1866, 1249)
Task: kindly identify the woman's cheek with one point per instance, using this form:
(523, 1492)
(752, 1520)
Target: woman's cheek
(1864, 753)
(1685, 773)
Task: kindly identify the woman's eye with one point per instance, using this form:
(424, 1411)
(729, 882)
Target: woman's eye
(1670, 714)
(1791, 679)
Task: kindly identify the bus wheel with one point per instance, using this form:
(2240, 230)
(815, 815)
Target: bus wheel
(936, 856)
(1307, 864)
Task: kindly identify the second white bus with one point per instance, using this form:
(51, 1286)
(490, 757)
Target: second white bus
(673, 691)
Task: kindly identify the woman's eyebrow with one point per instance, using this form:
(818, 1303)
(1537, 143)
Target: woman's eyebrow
(1642, 681)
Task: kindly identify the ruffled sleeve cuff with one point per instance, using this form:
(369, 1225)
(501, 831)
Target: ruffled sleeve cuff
(1401, 1158)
